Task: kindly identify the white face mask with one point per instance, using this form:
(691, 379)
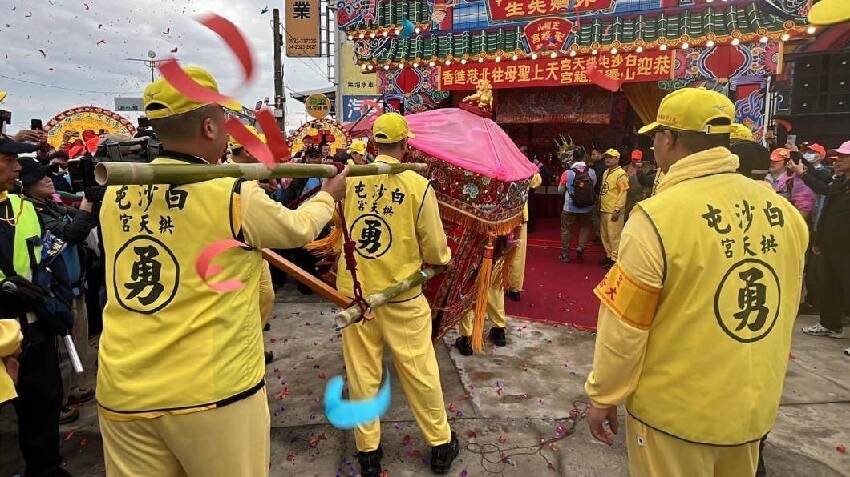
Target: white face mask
(810, 157)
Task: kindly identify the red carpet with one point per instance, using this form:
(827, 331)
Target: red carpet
(558, 292)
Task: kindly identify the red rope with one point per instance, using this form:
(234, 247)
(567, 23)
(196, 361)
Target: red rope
(349, 254)
(351, 261)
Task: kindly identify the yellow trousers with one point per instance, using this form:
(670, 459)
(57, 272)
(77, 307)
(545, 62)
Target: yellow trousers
(653, 453)
(610, 232)
(495, 311)
(517, 276)
(231, 441)
(406, 329)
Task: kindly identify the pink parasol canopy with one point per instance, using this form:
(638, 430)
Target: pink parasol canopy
(468, 141)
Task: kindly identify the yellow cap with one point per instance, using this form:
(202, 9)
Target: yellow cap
(233, 143)
(390, 128)
(2, 96)
(162, 100)
(612, 152)
(692, 109)
(741, 133)
(358, 146)
(829, 12)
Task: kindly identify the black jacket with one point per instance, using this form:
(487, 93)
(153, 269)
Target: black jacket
(53, 219)
(833, 235)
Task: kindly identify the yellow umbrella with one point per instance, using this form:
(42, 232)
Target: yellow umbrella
(829, 12)
(2, 96)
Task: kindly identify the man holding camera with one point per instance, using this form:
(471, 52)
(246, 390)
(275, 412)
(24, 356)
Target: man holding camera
(36, 367)
(181, 387)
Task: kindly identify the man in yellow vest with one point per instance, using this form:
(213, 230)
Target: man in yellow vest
(12, 257)
(516, 280)
(696, 319)
(612, 202)
(180, 385)
(39, 382)
(394, 221)
(357, 153)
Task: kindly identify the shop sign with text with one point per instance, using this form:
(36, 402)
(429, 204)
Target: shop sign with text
(628, 67)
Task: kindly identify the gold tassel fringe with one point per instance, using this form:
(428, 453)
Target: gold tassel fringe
(482, 285)
(330, 245)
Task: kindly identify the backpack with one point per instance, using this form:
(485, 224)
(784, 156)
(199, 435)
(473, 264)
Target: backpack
(582, 194)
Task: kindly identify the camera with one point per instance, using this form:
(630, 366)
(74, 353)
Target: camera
(81, 170)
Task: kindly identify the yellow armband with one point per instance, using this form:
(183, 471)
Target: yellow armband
(631, 301)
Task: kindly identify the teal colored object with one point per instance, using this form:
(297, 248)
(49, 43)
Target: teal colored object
(344, 414)
(407, 28)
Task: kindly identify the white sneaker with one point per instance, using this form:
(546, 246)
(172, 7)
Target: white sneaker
(847, 351)
(819, 330)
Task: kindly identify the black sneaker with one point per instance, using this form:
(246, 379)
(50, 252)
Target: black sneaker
(565, 258)
(269, 356)
(267, 327)
(442, 456)
(579, 255)
(497, 336)
(370, 462)
(464, 345)
(514, 295)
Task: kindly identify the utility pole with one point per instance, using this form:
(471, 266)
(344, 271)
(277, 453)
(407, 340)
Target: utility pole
(151, 62)
(280, 98)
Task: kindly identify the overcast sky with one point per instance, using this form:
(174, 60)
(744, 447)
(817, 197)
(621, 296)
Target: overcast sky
(86, 43)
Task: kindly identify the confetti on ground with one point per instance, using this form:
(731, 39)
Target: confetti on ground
(315, 440)
(283, 394)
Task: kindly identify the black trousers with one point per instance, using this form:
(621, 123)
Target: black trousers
(95, 278)
(811, 279)
(39, 403)
(834, 287)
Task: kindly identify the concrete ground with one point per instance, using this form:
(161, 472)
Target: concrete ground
(511, 408)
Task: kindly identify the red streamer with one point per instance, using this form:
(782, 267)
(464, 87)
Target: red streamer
(207, 269)
(234, 39)
(250, 142)
(274, 137)
(600, 79)
(174, 74)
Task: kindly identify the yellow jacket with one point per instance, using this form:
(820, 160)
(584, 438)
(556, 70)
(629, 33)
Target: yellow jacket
(615, 184)
(172, 344)
(10, 341)
(395, 223)
(695, 326)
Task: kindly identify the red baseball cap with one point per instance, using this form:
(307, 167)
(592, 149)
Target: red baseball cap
(817, 148)
(780, 154)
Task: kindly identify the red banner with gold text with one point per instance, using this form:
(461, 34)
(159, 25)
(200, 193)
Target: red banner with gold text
(628, 67)
(515, 9)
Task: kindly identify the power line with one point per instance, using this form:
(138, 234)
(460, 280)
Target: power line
(75, 90)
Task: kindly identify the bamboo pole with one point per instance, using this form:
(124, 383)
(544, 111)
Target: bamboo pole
(352, 314)
(321, 288)
(134, 173)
